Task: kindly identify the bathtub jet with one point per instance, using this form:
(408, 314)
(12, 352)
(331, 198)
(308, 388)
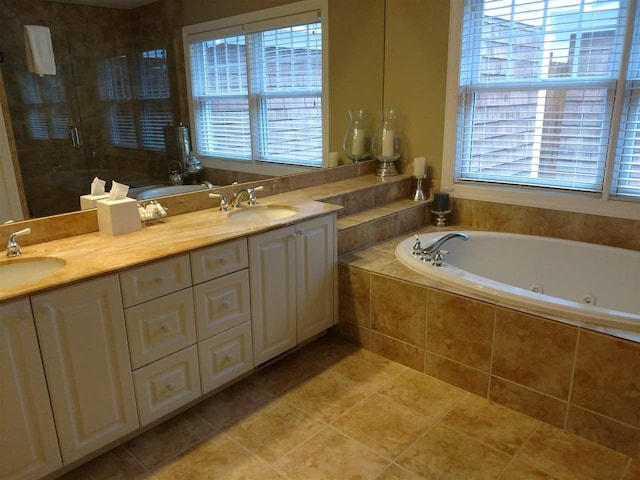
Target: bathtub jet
(562, 278)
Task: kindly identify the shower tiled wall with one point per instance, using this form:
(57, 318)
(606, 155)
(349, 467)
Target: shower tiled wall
(43, 109)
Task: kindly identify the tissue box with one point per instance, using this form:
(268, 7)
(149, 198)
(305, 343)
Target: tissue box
(89, 201)
(116, 217)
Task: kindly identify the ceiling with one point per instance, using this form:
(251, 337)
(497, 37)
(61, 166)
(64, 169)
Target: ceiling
(123, 4)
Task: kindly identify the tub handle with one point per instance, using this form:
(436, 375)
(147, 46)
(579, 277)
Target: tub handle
(437, 258)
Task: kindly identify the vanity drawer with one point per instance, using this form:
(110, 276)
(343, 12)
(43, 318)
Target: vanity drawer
(166, 384)
(154, 280)
(213, 262)
(160, 327)
(225, 357)
(222, 303)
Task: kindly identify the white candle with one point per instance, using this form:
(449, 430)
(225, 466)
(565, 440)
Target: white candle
(334, 159)
(418, 166)
(388, 143)
(358, 141)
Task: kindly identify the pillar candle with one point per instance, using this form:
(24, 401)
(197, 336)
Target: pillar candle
(358, 141)
(440, 202)
(388, 143)
(418, 166)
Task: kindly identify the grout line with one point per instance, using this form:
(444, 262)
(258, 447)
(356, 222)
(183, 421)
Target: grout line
(493, 349)
(515, 455)
(573, 372)
(626, 469)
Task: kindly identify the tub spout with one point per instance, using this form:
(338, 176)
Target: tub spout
(431, 250)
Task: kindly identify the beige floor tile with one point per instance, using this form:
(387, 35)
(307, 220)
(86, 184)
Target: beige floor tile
(370, 370)
(491, 424)
(394, 472)
(331, 455)
(118, 464)
(218, 457)
(426, 395)
(633, 471)
(239, 401)
(521, 471)
(326, 396)
(385, 426)
(446, 454)
(274, 430)
(168, 439)
(568, 457)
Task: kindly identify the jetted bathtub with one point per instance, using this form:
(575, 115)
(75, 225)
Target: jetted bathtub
(580, 281)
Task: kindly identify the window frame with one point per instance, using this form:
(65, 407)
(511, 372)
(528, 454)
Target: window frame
(572, 201)
(234, 25)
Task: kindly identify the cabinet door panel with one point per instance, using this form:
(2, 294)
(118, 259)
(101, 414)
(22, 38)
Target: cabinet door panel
(273, 305)
(84, 349)
(315, 292)
(28, 443)
(154, 280)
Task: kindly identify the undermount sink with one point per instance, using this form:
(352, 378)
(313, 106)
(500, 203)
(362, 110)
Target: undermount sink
(20, 271)
(262, 213)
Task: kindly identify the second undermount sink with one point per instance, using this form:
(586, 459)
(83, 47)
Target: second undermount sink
(20, 271)
(262, 213)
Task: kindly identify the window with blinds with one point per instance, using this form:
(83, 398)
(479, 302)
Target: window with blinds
(137, 107)
(256, 90)
(537, 96)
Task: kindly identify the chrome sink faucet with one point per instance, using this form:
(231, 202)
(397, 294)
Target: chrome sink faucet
(251, 196)
(13, 249)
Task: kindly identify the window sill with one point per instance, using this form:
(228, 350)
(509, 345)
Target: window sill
(260, 168)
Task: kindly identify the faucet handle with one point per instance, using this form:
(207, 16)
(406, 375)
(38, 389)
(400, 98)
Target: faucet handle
(252, 194)
(13, 249)
(224, 204)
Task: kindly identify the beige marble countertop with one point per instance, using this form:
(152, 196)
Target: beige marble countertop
(94, 254)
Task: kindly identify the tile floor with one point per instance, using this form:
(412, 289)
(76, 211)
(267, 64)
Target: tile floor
(335, 411)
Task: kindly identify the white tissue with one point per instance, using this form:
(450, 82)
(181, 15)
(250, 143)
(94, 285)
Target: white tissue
(118, 191)
(97, 186)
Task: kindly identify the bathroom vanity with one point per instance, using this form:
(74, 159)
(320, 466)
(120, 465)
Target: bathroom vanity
(151, 322)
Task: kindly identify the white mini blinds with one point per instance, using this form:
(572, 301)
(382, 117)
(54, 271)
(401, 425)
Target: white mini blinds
(257, 90)
(543, 100)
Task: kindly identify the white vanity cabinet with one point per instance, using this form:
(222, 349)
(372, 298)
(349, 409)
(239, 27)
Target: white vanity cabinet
(83, 342)
(292, 273)
(28, 443)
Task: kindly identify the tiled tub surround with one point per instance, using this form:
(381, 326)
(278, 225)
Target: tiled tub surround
(578, 379)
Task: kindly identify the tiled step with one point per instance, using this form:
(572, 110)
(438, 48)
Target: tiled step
(378, 224)
(375, 209)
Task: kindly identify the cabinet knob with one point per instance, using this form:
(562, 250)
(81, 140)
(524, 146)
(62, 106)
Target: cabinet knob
(224, 306)
(171, 387)
(228, 357)
(293, 235)
(164, 328)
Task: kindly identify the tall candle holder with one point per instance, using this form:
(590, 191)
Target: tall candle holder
(441, 217)
(386, 143)
(357, 140)
(418, 195)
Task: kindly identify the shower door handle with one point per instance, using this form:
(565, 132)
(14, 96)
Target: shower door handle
(75, 137)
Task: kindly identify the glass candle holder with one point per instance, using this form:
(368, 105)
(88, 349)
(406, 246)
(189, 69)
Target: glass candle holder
(357, 139)
(385, 145)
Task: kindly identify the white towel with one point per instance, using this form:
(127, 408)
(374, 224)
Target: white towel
(40, 58)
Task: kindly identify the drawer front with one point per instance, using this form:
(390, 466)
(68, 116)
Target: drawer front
(166, 384)
(213, 262)
(160, 327)
(225, 357)
(222, 303)
(151, 281)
